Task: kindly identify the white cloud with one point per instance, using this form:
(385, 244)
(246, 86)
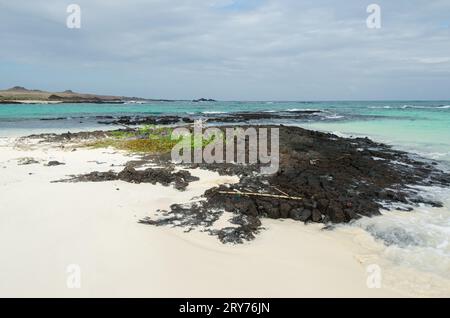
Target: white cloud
(433, 60)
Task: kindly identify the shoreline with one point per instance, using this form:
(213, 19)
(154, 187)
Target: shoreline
(306, 270)
(121, 258)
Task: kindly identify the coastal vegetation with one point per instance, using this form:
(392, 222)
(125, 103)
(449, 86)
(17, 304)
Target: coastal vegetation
(149, 139)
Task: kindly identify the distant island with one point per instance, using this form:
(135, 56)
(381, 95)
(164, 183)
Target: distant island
(22, 95)
(203, 100)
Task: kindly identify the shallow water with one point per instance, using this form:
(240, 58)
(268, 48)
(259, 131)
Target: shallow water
(422, 127)
(419, 239)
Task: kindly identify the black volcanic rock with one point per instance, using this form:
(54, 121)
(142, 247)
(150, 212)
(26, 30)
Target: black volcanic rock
(164, 176)
(338, 179)
(146, 120)
(54, 163)
(323, 178)
(238, 117)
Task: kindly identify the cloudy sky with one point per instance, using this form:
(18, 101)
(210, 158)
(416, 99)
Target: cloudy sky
(229, 49)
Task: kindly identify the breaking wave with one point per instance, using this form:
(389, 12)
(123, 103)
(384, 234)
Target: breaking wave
(419, 239)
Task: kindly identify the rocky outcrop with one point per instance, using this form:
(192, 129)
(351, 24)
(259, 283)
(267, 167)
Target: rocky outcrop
(237, 117)
(337, 180)
(163, 176)
(322, 178)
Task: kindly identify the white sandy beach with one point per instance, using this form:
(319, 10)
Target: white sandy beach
(45, 227)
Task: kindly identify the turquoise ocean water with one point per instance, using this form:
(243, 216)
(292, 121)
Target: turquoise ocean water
(422, 127)
(421, 237)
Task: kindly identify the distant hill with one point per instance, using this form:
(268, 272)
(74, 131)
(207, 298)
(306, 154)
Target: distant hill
(19, 94)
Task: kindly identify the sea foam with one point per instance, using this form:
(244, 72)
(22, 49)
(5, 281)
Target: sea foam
(418, 239)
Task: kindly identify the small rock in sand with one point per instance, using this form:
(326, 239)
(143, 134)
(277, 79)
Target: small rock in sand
(54, 163)
(27, 161)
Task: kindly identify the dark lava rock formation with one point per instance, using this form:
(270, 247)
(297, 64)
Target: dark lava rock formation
(164, 176)
(191, 216)
(322, 178)
(146, 120)
(337, 179)
(237, 117)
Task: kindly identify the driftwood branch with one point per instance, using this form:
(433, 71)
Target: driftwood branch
(261, 195)
(282, 192)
